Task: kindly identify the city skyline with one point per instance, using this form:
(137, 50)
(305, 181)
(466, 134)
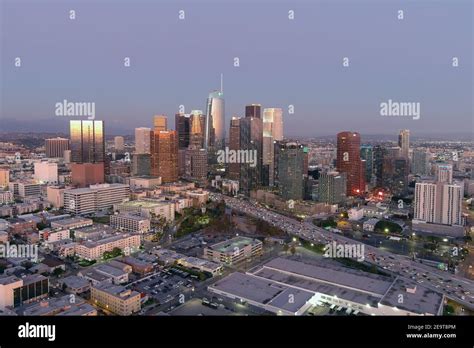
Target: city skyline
(321, 90)
(237, 159)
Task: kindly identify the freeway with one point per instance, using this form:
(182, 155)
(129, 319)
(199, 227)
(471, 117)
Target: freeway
(452, 286)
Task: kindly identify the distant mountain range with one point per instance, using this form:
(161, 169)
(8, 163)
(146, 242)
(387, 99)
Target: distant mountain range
(50, 125)
(53, 125)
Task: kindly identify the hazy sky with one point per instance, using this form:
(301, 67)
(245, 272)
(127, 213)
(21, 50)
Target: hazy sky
(282, 61)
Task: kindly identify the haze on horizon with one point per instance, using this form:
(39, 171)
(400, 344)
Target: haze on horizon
(282, 62)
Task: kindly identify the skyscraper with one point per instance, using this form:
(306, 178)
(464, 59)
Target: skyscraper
(214, 136)
(420, 162)
(141, 164)
(87, 141)
(197, 128)
(367, 154)
(87, 152)
(234, 144)
(183, 127)
(196, 163)
(271, 123)
(160, 123)
(119, 144)
(379, 154)
(4, 176)
(275, 116)
(332, 187)
(290, 171)
(439, 203)
(444, 173)
(253, 110)
(164, 155)
(348, 161)
(55, 147)
(142, 140)
(251, 139)
(404, 142)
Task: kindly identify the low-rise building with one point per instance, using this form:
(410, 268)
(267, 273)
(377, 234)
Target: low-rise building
(65, 305)
(51, 236)
(116, 299)
(94, 250)
(74, 284)
(117, 275)
(355, 214)
(234, 250)
(95, 198)
(16, 291)
(71, 223)
(130, 222)
(138, 266)
(148, 208)
(369, 225)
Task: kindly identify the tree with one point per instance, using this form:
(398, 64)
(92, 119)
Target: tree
(58, 271)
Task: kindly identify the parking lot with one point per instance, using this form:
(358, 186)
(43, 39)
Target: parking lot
(165, 286)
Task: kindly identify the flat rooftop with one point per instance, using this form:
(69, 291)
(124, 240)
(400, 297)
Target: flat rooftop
(229, 246)
(116, 290)
(262, 291)
(315, 286)
(144, 204)
(421, 299)
(73, 220)
(328, 272)
(75, 282)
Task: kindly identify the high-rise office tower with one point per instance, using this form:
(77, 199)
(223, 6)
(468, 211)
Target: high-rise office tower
(379, 154)
(404, 143)
(197, 127)
(196, 163)
(214, 136)
(367, 154)
(348, 161)
(160, 123)
(141, 164)
(253, 110)
(290, 171)
(183, 127)
(142, 140)
(451, 213)
(4, 176)
(189, 126)
(275, 116)
(420, 162)
(87, 141)
(119, 144)
(444, 173)
(182, 162)
(305, 161)
(234, 144)
(251, 141)
(87, 152)
(332, 187)
(393, 151)
(164, 155)
(268, 147)
(439, 203)
(55, 147)
(399, 182)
